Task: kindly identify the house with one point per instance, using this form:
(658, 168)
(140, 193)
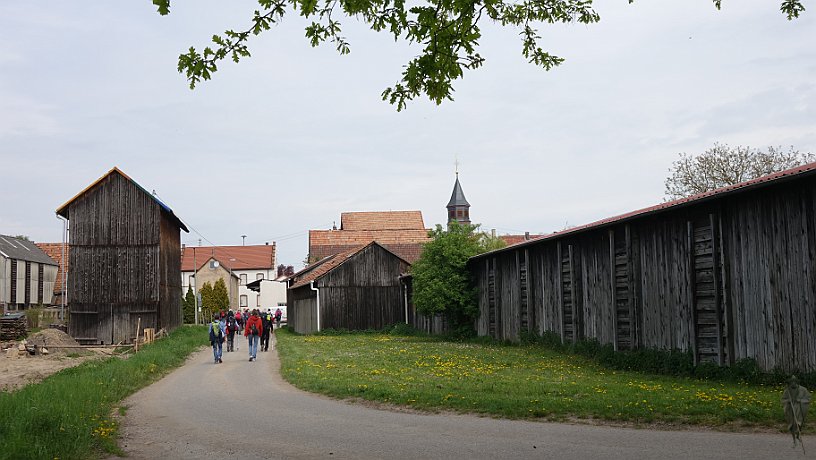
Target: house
(59, 252)
(357, 289)
(210, 272)
(402, 232)
(125, 261)
(724, 275)
(27, 275)
(248, 263)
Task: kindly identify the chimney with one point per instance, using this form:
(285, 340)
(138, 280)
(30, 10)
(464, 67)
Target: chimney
(526, 236)
(267, 243)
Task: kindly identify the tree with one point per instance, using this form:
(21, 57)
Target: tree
(188, 304)
(208, 307)
(221, 299)
(722, 165)
(442, 283)
(448, 31)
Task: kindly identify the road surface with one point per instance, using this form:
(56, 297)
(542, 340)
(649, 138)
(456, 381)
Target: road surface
(244, 410)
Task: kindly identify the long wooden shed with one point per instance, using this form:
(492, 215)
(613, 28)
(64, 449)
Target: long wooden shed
(727, 274)
(356, 290)
(125, 261)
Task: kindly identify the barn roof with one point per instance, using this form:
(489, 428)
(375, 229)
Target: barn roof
(319, 269)
(798, 172)
(19, 249)
(255, 257)
(63, 210)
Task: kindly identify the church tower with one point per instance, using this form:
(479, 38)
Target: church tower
(458, 207)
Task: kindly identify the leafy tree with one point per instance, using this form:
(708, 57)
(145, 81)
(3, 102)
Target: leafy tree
(188, 304)
(722, 165)
(448, 31)
(442, 283)
(208, 304)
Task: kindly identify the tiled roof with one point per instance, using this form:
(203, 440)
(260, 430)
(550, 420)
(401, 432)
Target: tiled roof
(328, 264)
(516, 239)
(54, 251)
(63, 210)
(409, 252)
(792, 173)
(382, 220)
(260, 257)
(326, 242)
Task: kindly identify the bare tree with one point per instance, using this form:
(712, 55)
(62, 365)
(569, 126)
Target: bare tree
(722, 165)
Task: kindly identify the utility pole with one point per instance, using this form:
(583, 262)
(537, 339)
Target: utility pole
(243, 240)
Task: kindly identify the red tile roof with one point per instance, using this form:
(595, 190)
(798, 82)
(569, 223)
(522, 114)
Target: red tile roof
(382, 220)
(402, 232)
(231, 257)
(516, 239)
(54, 251)
(792, 173)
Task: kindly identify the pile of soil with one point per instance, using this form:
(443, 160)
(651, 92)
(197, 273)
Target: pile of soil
(17, 371)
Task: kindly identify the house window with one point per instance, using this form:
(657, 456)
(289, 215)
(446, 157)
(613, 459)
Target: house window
(191, 280)
(243, 301)
(259, 276)
(258, 300)
(243, 280)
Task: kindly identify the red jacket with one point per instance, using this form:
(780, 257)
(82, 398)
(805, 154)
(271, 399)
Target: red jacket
(256, 320)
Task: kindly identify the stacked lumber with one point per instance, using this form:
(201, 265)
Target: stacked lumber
(13, 327)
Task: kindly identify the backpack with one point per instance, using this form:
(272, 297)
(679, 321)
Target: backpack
(231, 324)
(254, 329)
(216, 329)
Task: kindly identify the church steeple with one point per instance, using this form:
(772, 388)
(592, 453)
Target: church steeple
(458, 207)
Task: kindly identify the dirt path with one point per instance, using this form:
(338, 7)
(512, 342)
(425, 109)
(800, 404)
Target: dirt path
(245, 410)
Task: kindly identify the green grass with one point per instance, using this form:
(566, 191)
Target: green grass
(518, 382)
(71, 413)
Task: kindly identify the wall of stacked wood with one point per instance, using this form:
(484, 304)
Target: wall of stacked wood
(729, 278)
(125, 264)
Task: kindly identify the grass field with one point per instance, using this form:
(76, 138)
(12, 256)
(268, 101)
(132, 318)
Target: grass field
(513, 382)
(68, 415)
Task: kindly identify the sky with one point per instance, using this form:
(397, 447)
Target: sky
(292, 137)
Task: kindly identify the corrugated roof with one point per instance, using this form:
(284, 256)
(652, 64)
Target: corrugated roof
(256, 257)
(15, 248)
(767, 180)
(382, 220)
(63, 210)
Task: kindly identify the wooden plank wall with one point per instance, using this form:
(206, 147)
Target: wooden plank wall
(730, 278)
(114, 260)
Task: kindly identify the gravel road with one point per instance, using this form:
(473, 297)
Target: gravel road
(244, 410)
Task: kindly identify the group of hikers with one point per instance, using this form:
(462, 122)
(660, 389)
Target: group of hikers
(256, 326)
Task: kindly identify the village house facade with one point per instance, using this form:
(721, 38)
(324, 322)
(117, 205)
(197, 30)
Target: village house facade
(27, 275)
(246, 263)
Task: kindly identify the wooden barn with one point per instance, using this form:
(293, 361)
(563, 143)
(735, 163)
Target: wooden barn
(356, 290)
(727, 274)
(125, 261)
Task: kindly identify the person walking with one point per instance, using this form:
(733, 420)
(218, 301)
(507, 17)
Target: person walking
(253, 331)
(232, 327)
(266, 320)
(216, 338)
(278, 315)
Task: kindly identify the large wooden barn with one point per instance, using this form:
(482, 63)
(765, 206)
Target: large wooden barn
(356, 290)
(125, 261)
(727, 274)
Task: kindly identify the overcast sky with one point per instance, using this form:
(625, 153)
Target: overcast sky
(287, 140)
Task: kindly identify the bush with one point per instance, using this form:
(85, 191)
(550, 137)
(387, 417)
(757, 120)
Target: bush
(33, 316)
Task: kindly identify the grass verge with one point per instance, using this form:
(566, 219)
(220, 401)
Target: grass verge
(518, 382)
(69, 414)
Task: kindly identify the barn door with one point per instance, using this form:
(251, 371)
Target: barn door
(705, 291)
(622, 298)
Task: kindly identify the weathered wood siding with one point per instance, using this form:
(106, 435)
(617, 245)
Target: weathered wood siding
(727, 278)
(362, 293)
(125, 263)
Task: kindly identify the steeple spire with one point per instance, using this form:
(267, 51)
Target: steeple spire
(458, 206)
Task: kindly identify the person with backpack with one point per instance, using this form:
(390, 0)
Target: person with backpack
(239, 318)
(217, 338)
(253, 331)
(278, 315)
(266, 320)
(232, 327)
